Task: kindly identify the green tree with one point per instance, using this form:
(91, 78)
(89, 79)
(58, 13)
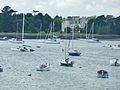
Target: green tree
(7, 20)
(58, 22)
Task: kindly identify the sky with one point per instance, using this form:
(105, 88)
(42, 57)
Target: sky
(65, 8)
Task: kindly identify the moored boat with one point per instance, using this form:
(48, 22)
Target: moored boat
(102, 74)
(43, 67)
(74, 53)
(4, 38)
(115, 62)
(23, 48)
(67, 63)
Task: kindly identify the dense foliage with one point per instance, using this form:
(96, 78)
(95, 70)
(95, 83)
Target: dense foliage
(105, 24)
(11, 22)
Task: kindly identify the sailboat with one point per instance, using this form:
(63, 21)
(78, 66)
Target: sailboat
(52, 39)
(19, 40)
(66, 62)
(39, 34)
(73, 52)
(93, 40)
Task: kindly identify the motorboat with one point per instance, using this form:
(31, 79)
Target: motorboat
(102, 74)
(43, 67)
(74, 53)
(23, 48)
(67, 63)
(116, 46)
(115, 62)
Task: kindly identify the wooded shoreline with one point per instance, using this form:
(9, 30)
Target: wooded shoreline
(62, 36)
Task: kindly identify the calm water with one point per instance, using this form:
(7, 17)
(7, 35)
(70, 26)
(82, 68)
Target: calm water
(95, 56)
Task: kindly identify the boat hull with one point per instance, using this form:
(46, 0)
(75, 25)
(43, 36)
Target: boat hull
(23, 48)
(102, 74)
(52, 42)
(65, 64)
(74, 53)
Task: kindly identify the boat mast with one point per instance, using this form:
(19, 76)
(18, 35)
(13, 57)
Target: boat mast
(73, 32)
(92, 30)
(50, 34)
(53, 24)
(23, 26)
(86, 29)
(17, 30)
(65, 39)
(40, 30)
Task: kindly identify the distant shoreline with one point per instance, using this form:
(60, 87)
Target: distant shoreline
(62, 36)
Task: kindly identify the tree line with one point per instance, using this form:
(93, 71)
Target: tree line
(105, 24)
(10, 21)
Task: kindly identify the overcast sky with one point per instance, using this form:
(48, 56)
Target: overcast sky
(65, 7)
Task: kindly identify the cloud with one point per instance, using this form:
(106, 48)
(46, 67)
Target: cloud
(65, 7)
(114, 11)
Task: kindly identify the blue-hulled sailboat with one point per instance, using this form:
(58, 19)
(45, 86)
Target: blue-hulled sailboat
(73, 52)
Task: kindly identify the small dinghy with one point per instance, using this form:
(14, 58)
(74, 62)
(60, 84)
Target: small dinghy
(43, 67)
(67, 63)
(115, 62)
(102, 74)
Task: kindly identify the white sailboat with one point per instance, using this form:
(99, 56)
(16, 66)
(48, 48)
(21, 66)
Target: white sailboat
(52, 39)
(19, 40)
(39, 34)
(66, 62)
(93, 40)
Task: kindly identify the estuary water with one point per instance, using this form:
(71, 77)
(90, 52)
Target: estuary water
(94, 57)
